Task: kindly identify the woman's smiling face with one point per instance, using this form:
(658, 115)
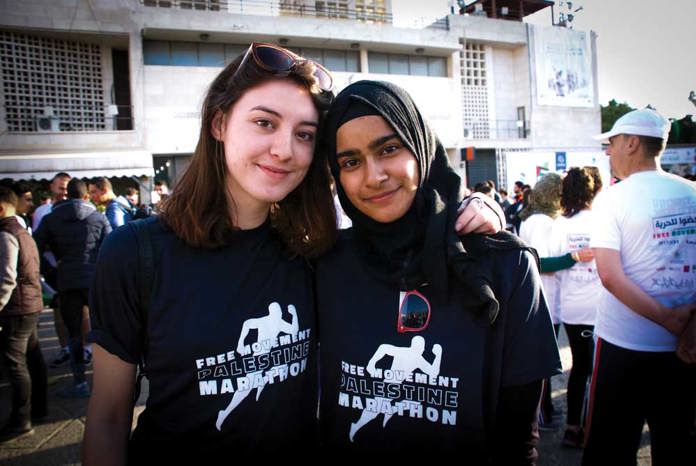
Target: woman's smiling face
(269, 138)
(378, 173)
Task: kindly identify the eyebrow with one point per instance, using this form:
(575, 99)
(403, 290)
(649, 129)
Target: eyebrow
(372, 145)
(273, 112)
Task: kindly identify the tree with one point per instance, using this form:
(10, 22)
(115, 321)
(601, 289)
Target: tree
(612, 112)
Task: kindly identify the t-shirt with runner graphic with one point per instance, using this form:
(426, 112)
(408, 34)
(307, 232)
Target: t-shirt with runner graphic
(433, 390)
(231, 343)
(650, 217)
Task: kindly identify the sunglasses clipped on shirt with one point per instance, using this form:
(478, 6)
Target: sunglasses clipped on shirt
(282, 62)
(414, 312)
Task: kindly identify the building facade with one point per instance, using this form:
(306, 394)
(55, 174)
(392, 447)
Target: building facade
(114, 87)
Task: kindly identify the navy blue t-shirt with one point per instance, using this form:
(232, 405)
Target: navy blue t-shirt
(436, 390)
(230, 333)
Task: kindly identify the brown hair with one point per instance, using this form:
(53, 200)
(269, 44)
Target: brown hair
(577, 191)
(7, 196)
(102, 183)
(653, 146)
(198, 208)
(596, 177)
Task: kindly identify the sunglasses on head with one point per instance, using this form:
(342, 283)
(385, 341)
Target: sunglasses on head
(414, 312)
(280, 61)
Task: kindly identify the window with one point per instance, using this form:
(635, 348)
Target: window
(474, 90)
(332, 9)
(437, 66)
(334, 60)
(232, 51)
(156, 52)
(371, 11)
(184, 53)
(378, 62)
(418, 65)
(212, 5)
(398, 64)
(211, 55)
(292, 7)
(57, 81)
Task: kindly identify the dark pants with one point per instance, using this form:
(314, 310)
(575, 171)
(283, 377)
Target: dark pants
(71, 304)
(38, 374)
(581, 342)
(631, 387)
(547, 410)
(18, 333)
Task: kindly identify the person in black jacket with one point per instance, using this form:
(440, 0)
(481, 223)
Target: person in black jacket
(430, 343)
(74, 231)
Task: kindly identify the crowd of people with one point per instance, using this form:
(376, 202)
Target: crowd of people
(617, 270)
(428, 327)
(48, 255)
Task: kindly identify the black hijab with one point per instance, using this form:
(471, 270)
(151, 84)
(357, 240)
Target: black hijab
(419, 247)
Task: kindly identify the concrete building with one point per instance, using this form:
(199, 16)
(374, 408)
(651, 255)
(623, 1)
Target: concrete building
(114, 87)
(530, 94)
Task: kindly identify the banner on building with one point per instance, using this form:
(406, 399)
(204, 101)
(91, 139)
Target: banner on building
(679, 160)
(678, 155)
(563, 65)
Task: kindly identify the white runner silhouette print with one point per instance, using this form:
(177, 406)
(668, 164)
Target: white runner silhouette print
(268, 329)
(405, 360)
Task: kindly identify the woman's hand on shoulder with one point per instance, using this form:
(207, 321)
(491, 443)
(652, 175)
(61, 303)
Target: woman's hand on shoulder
(479, 214)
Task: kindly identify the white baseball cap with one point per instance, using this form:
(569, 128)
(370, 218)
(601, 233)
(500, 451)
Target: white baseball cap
(643, 122)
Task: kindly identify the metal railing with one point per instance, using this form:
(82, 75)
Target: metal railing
(316, 9)
(496, 129)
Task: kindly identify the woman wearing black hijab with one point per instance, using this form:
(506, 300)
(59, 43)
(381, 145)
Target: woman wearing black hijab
(429, 342)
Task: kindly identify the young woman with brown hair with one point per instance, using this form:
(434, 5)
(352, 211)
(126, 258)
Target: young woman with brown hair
(231, 309)
(579, 289)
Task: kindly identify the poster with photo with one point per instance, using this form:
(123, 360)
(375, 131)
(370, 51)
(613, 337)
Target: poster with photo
(563, 65)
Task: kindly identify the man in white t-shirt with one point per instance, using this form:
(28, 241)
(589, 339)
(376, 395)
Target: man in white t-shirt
(645, 249)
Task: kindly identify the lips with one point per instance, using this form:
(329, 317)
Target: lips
(274, 172)
(384, 196)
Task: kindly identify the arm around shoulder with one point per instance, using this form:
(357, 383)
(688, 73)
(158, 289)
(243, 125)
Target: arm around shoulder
(110, 411)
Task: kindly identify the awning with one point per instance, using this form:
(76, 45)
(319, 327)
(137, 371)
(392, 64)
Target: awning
(87, 164)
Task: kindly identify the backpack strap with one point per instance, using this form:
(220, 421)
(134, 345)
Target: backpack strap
(146, 273)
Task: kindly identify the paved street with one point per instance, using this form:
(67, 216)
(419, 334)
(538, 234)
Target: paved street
(57, 440)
